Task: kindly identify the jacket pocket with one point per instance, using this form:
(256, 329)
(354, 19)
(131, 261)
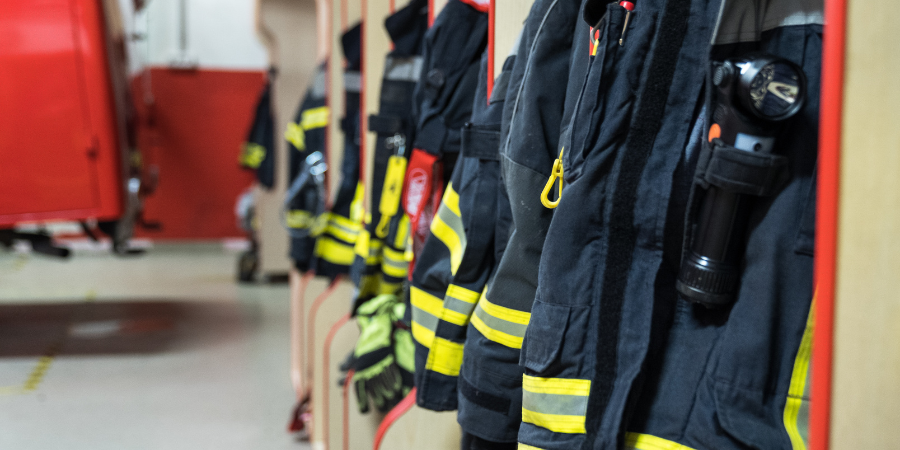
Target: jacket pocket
(603, 112)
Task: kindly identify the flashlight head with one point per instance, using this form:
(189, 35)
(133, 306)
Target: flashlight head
(766, 87)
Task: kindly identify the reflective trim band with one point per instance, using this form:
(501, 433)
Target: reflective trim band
(557, 404)
(300, 219)
(426, 311)
(352, 81)
(448, 234)
(314, 118)
(451, 199)
(252, 155)
(527, 447)
(394, 263)
(402, 237)
(556, 386)
(445, 357)
(317, 89)
(337, 228)
(499, 324)
(555, 423)
(422, 334)
(334, 252)
(637, 441)
(294, 134)
(796, 408)
(403, 69)
(459, 303)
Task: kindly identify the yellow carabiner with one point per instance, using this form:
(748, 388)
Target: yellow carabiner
(557, 173)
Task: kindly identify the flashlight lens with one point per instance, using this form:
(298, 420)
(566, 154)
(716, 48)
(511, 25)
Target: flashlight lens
(775, 89)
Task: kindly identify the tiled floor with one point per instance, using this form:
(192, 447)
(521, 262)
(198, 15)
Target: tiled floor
(160, 351)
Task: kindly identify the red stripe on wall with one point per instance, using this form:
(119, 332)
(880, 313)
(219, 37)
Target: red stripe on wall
(193, 129)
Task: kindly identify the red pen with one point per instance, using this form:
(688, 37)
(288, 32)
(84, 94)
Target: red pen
(629, 7)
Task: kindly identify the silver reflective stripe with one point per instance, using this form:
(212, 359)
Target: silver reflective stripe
(317, 89)
(564, 405)
(457, 305)
(352, 81)
(498, 324)
(403, 69)
(745, 20)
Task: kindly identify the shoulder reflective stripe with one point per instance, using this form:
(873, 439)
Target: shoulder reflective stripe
(527, 447)
(796, 408)
(492, 333)
(555, 423)
(449, 229)
(556, 386)
(314, 118)
(298, 218)
(352, 81)
(451, 200)
(403, 68)
(422, 334)
(253, 155)
(294, 135)
(445, 357)
(334, 252)
(636, 441)
(459, 303)
(557, 404)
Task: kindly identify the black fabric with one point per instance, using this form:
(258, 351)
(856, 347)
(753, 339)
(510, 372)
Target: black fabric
(385, 124)
(472, 442)
(743, 172)
(350, 43)
(453, 47)
(406, 28)
(262, 133)
(480, 142)
(482, 398)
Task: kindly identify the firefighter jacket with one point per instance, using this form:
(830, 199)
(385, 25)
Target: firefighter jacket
(490, 384)
(258, 151)
(382, 261)
(466, 237)
(336, 230)
(442, 105)
(613, 356)
(305, 199)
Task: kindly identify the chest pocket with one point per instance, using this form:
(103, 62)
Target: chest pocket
(603, 112)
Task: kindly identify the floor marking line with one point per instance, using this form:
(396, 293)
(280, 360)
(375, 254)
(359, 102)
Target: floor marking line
(36, 376)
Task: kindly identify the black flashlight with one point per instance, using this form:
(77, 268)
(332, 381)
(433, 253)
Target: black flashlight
(754, 95)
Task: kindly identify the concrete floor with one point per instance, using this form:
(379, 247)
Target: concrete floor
(160, 351)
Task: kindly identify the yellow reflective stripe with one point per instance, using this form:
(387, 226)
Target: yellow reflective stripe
(422, 334)
(425, 301)
(252, 155)
(461, 293)
(314, 118)
(451, 200)
(445, 357)
(556, 386)
(298, 218)
(500, 312)
(527, 447)
(554, 422)
(342, 228)
(357, 209)
(797, 389)
(334, 252)
(388, 288)
(451, 239)
(294, 134)
(402, 237)
(637, 441)
(496, 335)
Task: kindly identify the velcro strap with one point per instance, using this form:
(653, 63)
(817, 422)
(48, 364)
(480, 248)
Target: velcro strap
(481, 143)
(385, 124)
(743, 172)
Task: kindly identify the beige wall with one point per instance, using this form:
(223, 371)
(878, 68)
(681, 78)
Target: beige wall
(293, 26)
